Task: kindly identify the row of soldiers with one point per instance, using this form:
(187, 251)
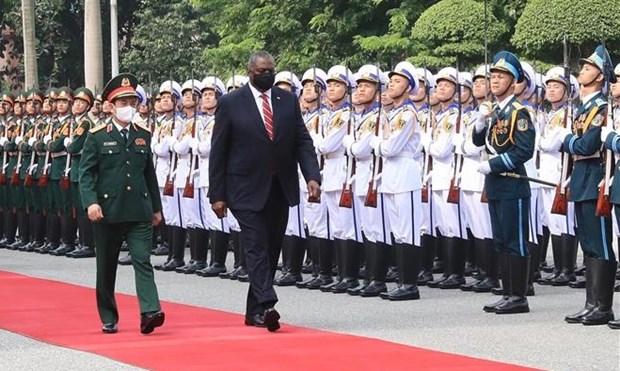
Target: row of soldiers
(403, 179)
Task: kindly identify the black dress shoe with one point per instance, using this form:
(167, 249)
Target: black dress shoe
(304, 284)
(578, 317)
(513, 305)
(577, 284)
(242, 275)
(213, 270)
(86, 252)
(490, 308)
(320, 281)
(374, 289)
(497, 290)
(150, 320)
(125, 260)
(288, 279)
(161, 250)
(598, 317)
(109, 328)
(256, 320)
(355, 291)
(185, 267)
(614, 324)
(454, 281)
(171, 265)
(344, 285)
(198, 265)
(580, 271)
(272, 319)
(435, 283)
(485, 285)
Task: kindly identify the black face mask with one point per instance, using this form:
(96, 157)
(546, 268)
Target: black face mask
(264, 81)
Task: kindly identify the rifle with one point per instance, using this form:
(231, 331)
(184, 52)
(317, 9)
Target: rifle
(560, 200)
(44, 178)
(483, 196)
(603, 202)
(377, 163)
(3, 179)
(455, 189)
(346, 196)
(169, 185)
(15, 176)
(28, 181)
(428, 160)
(311, 199)
(65, 182)
(188, 191)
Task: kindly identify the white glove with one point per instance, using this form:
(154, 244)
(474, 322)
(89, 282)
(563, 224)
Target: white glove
(375, 142)
(18, 140)
(193, 144)
(3, 141)
(425, 141)
(485, 109)
(484, 167)
(605, 130)
(457, 141)
(564, 132)
(32, 141)
(348, 141)
(66, 142)
(47, 138)
(170, 140)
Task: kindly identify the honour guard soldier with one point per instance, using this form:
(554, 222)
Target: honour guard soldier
(190, 217)
(373, 217)
(509, 139)
(83, 100)
(401, 181)
(441, 149)
(218, 229)
(320, 243)
(122, 208)
(559, 94)
(170, 127)
(7, 100)
(584, 143)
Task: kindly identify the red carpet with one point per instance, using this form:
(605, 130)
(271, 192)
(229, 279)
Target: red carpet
(195, 338)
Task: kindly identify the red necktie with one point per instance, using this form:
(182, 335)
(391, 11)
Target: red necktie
(267, 115)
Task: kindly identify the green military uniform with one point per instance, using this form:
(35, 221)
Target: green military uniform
(12, 191)
(7, 100)
(118, 175)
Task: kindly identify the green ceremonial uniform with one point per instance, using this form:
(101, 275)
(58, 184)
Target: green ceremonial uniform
(81, 126)
(120, 176)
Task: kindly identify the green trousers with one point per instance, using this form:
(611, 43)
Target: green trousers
(108, 240)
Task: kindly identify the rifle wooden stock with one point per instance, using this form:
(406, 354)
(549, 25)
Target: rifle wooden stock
(603, 204)
(168, 187)
(483, 197)
(454, 192)
(188, 191)
(28, 181)
(3, 179)
(560, 201)
(15, 177)
(346, 196)
(43, 180)
(371, 195)
(65, 183)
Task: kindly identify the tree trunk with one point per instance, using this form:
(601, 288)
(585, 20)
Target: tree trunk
(30, 44)
(93, 46)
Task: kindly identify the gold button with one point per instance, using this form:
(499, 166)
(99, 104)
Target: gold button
(110, 151)
(128, 175)
(128, 188)
(105, 195)
(127, 162)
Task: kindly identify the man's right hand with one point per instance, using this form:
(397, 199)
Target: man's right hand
(219, 207)
(94, 213)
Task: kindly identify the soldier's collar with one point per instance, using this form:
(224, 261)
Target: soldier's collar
(506, 102)
(590, 97)
(344, 105)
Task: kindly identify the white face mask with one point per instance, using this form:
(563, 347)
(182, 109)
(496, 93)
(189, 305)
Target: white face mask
(125, 114)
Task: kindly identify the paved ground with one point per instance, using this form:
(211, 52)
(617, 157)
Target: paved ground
(451, 321)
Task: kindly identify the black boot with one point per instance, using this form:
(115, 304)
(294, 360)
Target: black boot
(53, 234)
(429, 244)
(164, 244)
(10, 227)
(519, 277)
(590, 294)
(567, 273)
(23, 222)
(471, 264)
(454, 261)
(34, 220)
(191, 239)
(445, 244)
(491, 268)
(85, 228)
(392, 274)
(557, 249)
(312, 246)
(326, 261)
(533, 268)
(604, 277)
(297, 247)
(544, 247)
(200, 242)
(351, 267)
(481, 263)
(219, 250)
(379, 263)
(409, 259)
(239, 273)
(179, 236)
(125, 260)
(67, 236)
(504, 266)
(339, 248)
(367, 269)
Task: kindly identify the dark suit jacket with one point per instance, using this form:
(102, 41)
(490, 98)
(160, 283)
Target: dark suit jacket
(243, 160)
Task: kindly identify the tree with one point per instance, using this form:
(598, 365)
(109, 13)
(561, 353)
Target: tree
(543, 24)
(30, 56)
(454, 29)
(93, 46)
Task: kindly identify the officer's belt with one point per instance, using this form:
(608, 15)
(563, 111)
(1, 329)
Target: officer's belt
(331, 156)
(59, 154)
(405, 154)
(14, 153)
(580, 157)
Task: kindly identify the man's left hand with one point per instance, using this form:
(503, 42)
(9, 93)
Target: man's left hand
(314, 190)
(156, 218)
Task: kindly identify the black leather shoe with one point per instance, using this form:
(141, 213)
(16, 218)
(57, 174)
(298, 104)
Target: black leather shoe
(304, 284)
(344, 285)
(288, 279)
(256, 320)
(193, 268)
(485, 285)
(125, 260)
(580, 271)
(328, 287)
(171, 265)
(454, 281)
(272, 319)
(213, 270)
(497, 290)
(374, 289)
(184, 267)
(85, 252)
(490, 308)
(435, 283)
(577, 284)
(161, 250)
(150, 320)
(320, 281)
(109, 328)
(241, 275)
(598, 317)
(425, 277)
(355, 291)
(614, 324)
(513, 305)
(404, 292)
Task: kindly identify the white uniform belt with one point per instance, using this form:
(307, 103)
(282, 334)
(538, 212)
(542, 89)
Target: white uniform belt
(331, 156)
(59, 154)
(366, 158)
(580, 157)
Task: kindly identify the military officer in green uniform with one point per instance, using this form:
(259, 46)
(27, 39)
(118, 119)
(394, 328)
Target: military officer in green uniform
(119, 190)
(6, 118)
(82, 101)
(595, 231)
(509, 140)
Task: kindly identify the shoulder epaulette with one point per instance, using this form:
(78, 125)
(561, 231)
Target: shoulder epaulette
(517, 105)
(97, 128)
(600, 102)
(141, 126)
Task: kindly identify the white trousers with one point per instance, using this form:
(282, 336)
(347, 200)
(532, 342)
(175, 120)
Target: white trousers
(191, 209)
(447, 216)
(343, 222)
(475, 214)
(405, 216)
(173, 209)
(374, 220)
(557, 224)
(317, 220)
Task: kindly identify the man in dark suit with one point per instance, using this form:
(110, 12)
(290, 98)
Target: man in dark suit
(258, 140)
